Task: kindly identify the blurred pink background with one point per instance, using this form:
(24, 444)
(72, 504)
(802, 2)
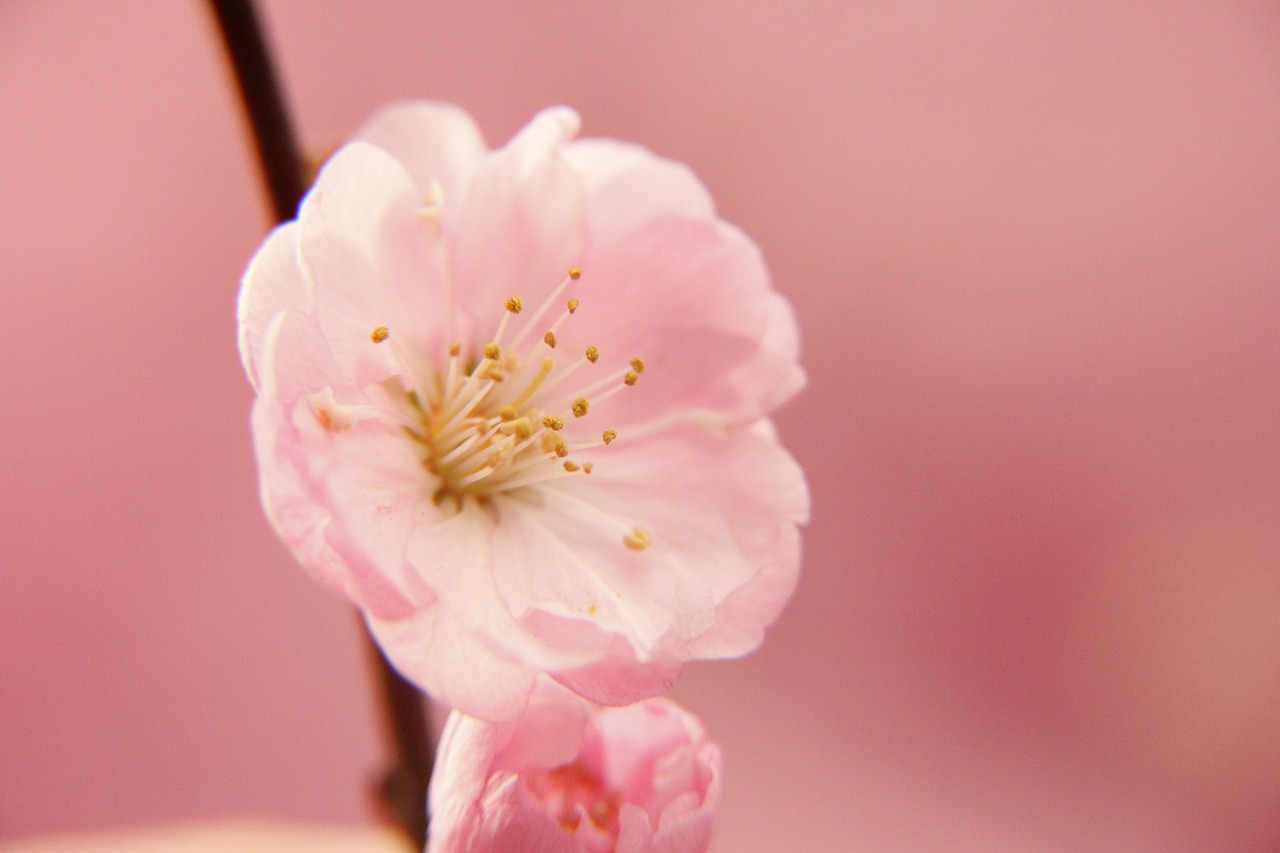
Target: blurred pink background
(1035, 250)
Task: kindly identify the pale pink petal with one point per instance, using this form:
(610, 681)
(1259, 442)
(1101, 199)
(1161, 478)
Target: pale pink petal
(366, 477)
(548, 734)
(521, 226)
(273, 282)
(296, 508)
(567, 558)
(365, 251)
(743, 542)
(627, 186)
(456, 785)
(295, 497)
(435, 142)
(457, 554)
(515, 822)
(692, 299)
(643, 737)
(456, 666)
(635, 830)
(618, 678)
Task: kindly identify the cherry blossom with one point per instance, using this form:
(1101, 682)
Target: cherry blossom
(514, 404)
(572, 777)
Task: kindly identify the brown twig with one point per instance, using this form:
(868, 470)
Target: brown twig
(404, 785)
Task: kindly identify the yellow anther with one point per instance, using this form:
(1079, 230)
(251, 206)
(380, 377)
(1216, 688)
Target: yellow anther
(379, 334)
(562, 449)
(553, 422)
(580, 406)
(609, 435)
(593, 354)
(549, 442)
(571, 466)
(572, 305)
(549, 339)
(524, 429)
(492, 351)
(630, 378)
(514, 304)
(586, 467)
(638, 539)
(575, 273)
(508, 413)
(454, 349)
(637, 365)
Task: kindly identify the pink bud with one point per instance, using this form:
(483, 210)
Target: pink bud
(570, 776)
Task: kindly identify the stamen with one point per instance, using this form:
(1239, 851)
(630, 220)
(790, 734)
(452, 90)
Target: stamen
(408, 372)
(537, 316)
(446, 416)
(478, 442)
(609, 382)
(519, 401)
(474, 476)
(638, 539)
(522, 428)
(462, 448)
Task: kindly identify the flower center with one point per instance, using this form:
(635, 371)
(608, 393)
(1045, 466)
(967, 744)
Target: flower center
(512, 412)
(572, 790)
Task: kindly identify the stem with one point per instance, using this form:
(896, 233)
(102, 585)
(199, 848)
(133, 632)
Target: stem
(403, 789)
(264, 105)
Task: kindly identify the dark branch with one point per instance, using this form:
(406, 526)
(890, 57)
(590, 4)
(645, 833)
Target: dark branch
(263, 104)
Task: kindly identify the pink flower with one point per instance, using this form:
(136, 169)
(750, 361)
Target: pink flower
(513, 404)
(572, 777)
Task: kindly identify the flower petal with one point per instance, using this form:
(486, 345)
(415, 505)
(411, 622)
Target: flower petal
(521, 226)
(273, 282)
(435, 142)
(566, 557)
(366, 254)
(627, 186)
(692, 299)
(452, 663)
(741, 549)
(294, 495)
(618, 678)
